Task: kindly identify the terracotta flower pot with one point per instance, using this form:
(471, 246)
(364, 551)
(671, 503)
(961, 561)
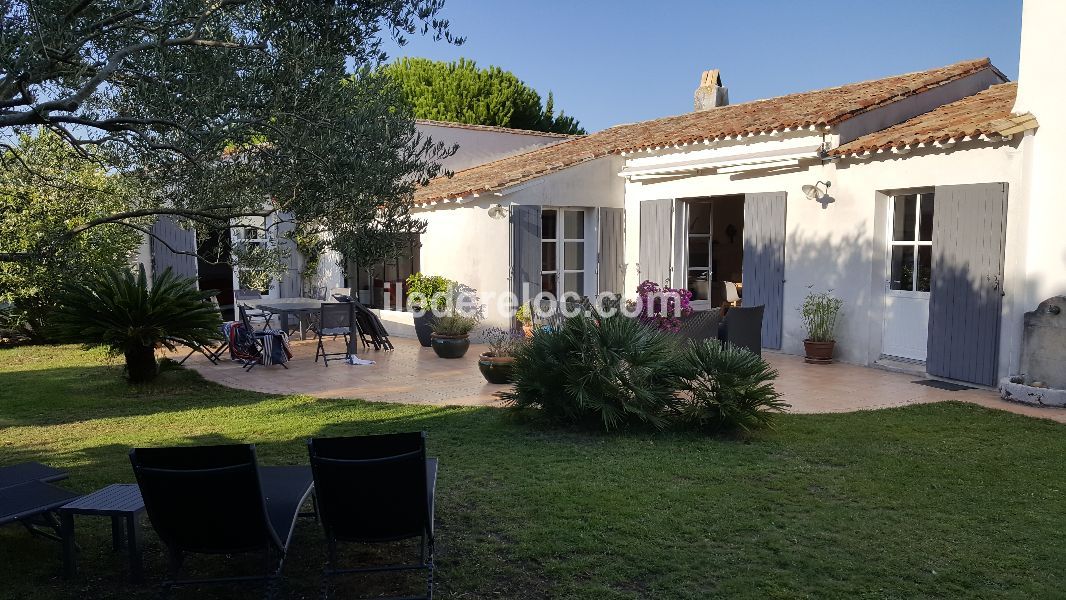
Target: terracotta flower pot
(527, 329)
(818, 353)
(450, 346)
(495, 369)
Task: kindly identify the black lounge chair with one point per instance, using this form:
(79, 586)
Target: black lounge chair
(334, 319)
(742, 326)
(375, 489)
(27, 497)
(217, 500)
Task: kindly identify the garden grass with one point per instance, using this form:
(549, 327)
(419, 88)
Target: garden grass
(935, 501)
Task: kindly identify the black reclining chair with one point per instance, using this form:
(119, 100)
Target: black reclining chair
(374, 489)
(218, 500)
(28, 497)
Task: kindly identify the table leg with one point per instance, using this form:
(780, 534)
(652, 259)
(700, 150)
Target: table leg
(285, 321)
(116, 533)
(133, 538)
(303, 328)
(70, 559)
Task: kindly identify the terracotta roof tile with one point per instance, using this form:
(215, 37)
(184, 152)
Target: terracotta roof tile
(984, 113)
(819, 108)
(514, 130)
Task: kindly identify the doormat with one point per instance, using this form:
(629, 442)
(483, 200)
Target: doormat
(943, 385)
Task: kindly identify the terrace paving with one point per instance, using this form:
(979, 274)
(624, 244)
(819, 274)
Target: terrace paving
(415, 375)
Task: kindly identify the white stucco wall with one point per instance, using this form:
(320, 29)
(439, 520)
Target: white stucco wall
(463, 243)
(479, 146)
(1042, 91)
(842, 246)
(467, 245)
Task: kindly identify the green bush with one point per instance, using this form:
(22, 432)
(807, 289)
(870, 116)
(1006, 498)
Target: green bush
(727, 388)
(610, 373)
(453, 325)
(428, 292)
(618, 371)
(120, 312)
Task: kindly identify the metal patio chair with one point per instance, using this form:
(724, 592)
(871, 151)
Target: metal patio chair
(335, 318)
(257, 347)
(218, 500)
(213, 353)
(245, 299)
(372, 331)
(375, 489)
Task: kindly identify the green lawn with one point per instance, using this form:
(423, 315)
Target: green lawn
(946, 500)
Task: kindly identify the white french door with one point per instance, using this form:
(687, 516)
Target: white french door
(563, 251)
(910, 257)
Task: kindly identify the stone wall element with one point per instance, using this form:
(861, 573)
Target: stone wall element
(1019, 392)
(1044, 345)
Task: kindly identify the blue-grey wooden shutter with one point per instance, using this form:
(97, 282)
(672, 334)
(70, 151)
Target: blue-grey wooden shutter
(525, 252)
(764, 261)
(169, 243)
(612, 250)
(655, 240)
(291, 283)
(966, 297)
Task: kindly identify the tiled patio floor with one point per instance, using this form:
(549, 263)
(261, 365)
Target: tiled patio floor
(413, 374)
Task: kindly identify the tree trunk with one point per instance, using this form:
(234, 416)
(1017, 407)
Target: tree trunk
(141, 365)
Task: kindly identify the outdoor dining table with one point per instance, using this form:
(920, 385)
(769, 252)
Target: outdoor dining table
(286, 307)
(301, 307)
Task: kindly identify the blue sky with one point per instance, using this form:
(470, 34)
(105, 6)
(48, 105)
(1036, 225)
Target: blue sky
(611, 62)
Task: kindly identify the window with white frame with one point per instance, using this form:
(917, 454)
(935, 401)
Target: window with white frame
(562, 251)
(699, 245)
(252, 235)
(911, 249)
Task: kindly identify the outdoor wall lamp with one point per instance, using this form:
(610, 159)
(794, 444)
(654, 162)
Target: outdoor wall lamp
(813, 192)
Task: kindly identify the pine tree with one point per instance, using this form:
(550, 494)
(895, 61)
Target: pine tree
(461, 92)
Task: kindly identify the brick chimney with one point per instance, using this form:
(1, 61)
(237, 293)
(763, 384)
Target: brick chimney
(711, 93)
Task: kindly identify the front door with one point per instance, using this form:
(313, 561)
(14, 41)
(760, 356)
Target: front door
(910, 252)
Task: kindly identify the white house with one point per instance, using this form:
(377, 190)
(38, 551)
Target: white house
(175, 247)
(928, 202)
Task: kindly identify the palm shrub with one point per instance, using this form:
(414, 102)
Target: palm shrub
(121, 312)
(727, 388)
(608, 373)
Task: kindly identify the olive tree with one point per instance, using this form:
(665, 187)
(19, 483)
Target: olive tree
(213, 110)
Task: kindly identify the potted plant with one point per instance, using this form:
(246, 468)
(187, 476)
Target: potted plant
(426, 295)
(820, 311)
(451, 335)
(495, 364)
(526, 319)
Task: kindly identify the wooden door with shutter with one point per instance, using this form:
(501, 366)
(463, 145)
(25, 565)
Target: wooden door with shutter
(656, 240)
(525, 252)
(764, 261)
(612, 267)
(966, 288)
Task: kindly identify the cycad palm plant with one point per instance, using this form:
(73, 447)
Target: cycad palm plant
(609, 373)
(121, 312)
(728, 388)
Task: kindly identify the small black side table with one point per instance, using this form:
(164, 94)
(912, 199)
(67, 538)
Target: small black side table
(121, 502)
